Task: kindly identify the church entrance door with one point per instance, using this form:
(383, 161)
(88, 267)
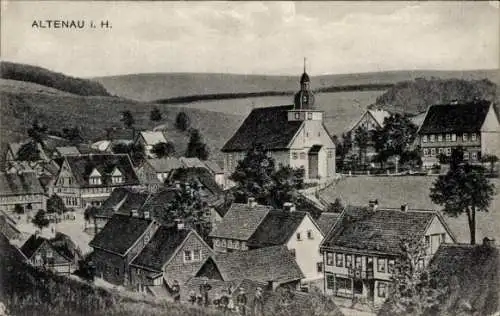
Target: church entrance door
(314, 161)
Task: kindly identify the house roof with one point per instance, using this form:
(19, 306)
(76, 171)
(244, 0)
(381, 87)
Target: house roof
(161, 247)
(10, 251)
(201, 176)
(240, 222)
(24, 183)
(8, 228)
(276, 228)
(192, 162)
(158, 203)
(214, 166)
(83, 165)
(123, 201)
(274, 263)
(68, 150)
(166, 164)
(152, 138)
(266, 126)
(326, 221)
(379, 116)
(65, 246)
(380, 231)
(31, 245)
(120, 233)
(473, 273)
(463, 117)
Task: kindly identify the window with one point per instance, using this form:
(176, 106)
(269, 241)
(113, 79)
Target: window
(465, 137)
(297, 115)
(295, 156)
(319, 134)
(330, 154)
(229, 244)
(448, 151)
(433, 152)
(424, 138)
(307, 134)
(330, 281)
(453, 137)
(339, 259)
(298, 236)
(358, 262)
(381, 265)
(302, 155)
(427, 241)
(196, 255)
(236, 244)
(473, 137)
(117, 179)
(223, 243)
(329, 259)
(348, 261)
(117, 271)
(319, 266)
(95, 180)
(49, 254)
(292, 252)
(381, 289)
(432, 138)
(474, 155)
(443, 238)
(466, 155)
(426, 152)
(217, 242)
(309, 235)
(70, 181)
(440, 150)
(309, 116)
(187, 256)
(448, 137)
(440, 137)
(390, 266)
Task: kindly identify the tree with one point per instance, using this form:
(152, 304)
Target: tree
(128, 121)
(38, 131)
(336, 207)
(256, 176)
(415, 290)
(40, 220)
(361, 139)
(411, 158)
(196, 146)
(73, 134)
(491, 159)
(18, 209)
(56, 205)
(464, 189)
(29, 152)
(163, 149)
(155, 115)
(135, 151)
(182, 121)
(90, 215)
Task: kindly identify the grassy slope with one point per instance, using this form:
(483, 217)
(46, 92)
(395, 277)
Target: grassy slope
(395, 191)
(147, 87)
(94, 114)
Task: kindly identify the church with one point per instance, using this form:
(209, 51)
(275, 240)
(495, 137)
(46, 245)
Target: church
(294, 135)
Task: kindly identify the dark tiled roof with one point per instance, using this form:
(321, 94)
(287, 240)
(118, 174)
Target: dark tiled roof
(166, 164)
(380, 231)
(240, 222)
(214, 166)
(8, 228)
(158, 203)
(276, 228)
(20, 184)
(65, 246)
(200, 176)
(326, 221)
(10, 251)
(262, 265)
(31, 245)
(266, 126)
(160, 249)
(120, 233)
(123, 201)
(476, 269)
(83, 165)
(465, 117)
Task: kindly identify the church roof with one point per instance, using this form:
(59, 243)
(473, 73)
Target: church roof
(305, 78)
(268, 127)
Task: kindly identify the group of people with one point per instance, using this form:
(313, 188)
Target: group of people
(224, 301)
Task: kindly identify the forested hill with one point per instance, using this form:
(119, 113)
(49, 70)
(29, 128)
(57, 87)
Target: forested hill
(415, 96)
(45, 77)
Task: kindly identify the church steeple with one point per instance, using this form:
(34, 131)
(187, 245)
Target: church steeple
(304, 99)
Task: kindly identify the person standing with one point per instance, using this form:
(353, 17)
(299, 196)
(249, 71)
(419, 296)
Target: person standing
(204, 288)
(241, 301)
(258, 303)
(176, 291)
(192, 297)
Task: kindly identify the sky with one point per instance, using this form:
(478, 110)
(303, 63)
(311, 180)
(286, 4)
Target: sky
(253, 37)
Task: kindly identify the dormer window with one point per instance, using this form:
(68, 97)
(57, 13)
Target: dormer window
(116, 176)
(95, 178)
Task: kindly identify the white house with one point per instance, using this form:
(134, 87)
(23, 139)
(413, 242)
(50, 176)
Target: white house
(148, 139)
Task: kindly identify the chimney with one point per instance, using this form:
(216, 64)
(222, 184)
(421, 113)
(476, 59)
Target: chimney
(373, 204)
(289, 207)
(134, 213)
(404, 208)
(146, 214)
(489, 242)
(251, 202)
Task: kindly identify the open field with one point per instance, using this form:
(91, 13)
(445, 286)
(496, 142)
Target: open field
(154, 86)
(395, 191)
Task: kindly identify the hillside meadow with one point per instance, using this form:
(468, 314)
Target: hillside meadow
(393, 192)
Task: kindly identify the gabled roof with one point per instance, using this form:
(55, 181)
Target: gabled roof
(276, 228)
(201, 176)
(326, 221)
(266, 126)
(379, 116)
(161, 248)
(24, 183)
(120, 233)
(31, 245)
(378, 231)
(262, 265)
(166, 164)
(152, 138)
(81, 167)
(453, 118)
(240, 222)
(123, 201)
(69, 150)
(473, 273)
